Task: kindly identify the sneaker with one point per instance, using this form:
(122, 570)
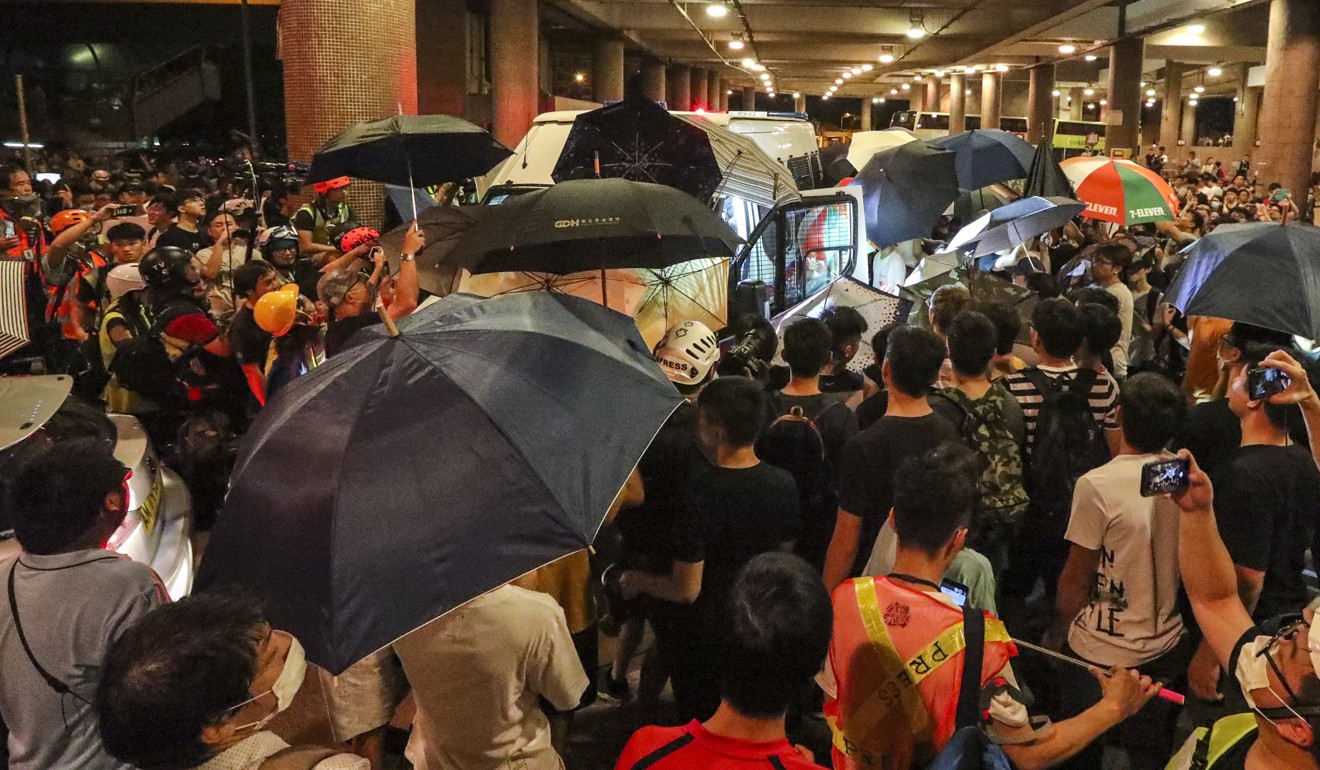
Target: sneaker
(611, 689)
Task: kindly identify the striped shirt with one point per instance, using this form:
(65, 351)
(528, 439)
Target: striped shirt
(1103, 397)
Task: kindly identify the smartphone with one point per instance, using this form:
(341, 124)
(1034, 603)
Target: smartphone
(1263, 382)
(954, 590)
(126, 210)
(45, 176)
(1163, 477)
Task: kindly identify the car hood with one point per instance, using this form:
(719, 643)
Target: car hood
(27, 402)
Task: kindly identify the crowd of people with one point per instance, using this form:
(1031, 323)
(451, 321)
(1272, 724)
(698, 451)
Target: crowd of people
(1211, 192)
(823, 565)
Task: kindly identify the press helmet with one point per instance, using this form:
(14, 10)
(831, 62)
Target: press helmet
(688, 353)
(357, 236)
(166, 267)
(123, 279)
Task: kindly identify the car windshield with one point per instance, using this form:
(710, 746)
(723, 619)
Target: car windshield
(74, 420)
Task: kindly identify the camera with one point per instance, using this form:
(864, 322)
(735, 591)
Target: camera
(1263, 382)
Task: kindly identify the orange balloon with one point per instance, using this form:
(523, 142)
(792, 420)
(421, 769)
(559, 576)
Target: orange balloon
(276, 311)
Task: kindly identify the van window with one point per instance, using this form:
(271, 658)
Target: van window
(800, 248)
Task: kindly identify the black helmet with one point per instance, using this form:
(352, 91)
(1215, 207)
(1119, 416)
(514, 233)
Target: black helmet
(166, 267)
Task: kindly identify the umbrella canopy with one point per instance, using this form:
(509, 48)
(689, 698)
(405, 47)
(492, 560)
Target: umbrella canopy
(14, 332)
(638, 140)
(443, 227)
(619, 290)
(409, 150)
(1045, 178)
(1014, 224)
(864, 144)
(986, 156)
(878, 308)
(689, 291)
(1120, 191)
(746, 171)
(1259, 273)
(389, 486)
(985, 288)
(594, 224)
(905, 190)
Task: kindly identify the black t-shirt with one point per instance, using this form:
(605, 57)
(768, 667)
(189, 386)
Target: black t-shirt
(666, 468)
(841, 382)
(872, 409)
(1211, 432)
(868, 465)
(340, 331)
(736, 514)
(250, 342)
(1267, 499)
(177, 236)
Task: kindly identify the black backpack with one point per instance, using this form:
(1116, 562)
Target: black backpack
(794, 442)
(143, 366)
(1069, 441)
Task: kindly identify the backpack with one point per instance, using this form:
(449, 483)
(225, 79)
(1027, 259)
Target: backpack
(143, 366)
(794, 442)
(1206, 746)
(970, 748)
(984, 428)
(1069, 441)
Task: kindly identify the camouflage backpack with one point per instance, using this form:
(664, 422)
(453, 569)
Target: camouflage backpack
(984, 428)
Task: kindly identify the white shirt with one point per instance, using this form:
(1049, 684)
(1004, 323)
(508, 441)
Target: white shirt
(1134, 616)
(1120, 351)
(220, 290)
(249, 753)
(477, 674)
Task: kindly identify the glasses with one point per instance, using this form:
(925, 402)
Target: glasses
(1285, 633)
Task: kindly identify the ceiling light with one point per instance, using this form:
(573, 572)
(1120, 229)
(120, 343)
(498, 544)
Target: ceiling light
(826, 96)
(856, 70)
(1104, 102)
(579, 77)
(1090, 57)
(886, 58)
(758, 67)
(748, 63)
(1088, 92)
(1150, 92)
(847, 75)
(907, 87)
(968, 92)
(1150, 103)
(1067, 48)
(1142, 84)
(797, 95)
(916, 26)
(882, 100)
(939, 73)
(717, 10)
(1196, 29)
(1214, 72)
(765, 75)
(838, 81)
(1054, 93)
(1199, 89)
(729, 92)
(736, 44)
(867, 68)
(917, 77)
(968, 70)
(1001, 68)
(893, 92)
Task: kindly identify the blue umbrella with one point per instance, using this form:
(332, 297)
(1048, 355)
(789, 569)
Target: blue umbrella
(905, 190)
(986, 156)
(417, 471)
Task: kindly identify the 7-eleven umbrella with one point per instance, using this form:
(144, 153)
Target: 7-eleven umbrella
(1120, 191)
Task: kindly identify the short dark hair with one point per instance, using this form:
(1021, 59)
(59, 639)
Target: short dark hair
(1153, 410)
(1284, 417)
(59, 494)
(780, 622)
(945, 305)
(126, 231)
(186, 195)
(248, 274)
(736, 404)
(844, 323)
(1043, 285)
(1008, 325)
(1058, 324)
(1101, 328)
(1114, 252)
(807, 345)
(183, 666)
(880, 341)
(1094, 295)
(915, 356)
(163, 199)
(935, 495)
(12, 170)
(972, 340)
(1250, 339)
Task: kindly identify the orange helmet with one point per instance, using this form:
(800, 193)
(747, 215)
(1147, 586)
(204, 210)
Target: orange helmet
(356, 237)
(331, 184)
(68, 218)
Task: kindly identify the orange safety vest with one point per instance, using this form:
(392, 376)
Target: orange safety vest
(61, 297)
(897, 657)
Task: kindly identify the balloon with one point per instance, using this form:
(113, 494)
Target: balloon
(276, 311)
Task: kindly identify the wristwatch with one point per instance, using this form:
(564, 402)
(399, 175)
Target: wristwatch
(407, 257)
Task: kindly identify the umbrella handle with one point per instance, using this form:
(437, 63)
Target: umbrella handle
(390, 328)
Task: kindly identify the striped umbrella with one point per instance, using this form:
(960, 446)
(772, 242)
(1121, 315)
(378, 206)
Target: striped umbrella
(749, 172)
(1120, 191)
(14, 332)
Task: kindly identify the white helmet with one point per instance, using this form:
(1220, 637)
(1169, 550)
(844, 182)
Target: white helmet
(123, 279)
(688, 352)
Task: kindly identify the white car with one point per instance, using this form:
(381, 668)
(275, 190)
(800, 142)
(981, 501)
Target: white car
(38, 411)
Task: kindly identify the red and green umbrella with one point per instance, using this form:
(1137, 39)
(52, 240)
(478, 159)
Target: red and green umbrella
(1120, 191)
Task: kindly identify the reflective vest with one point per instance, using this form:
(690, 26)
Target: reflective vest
(897, 658)
(60, 297)
(1205, 747)
(320, 225)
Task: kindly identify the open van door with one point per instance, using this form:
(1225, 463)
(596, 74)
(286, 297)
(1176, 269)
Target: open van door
(799, 248)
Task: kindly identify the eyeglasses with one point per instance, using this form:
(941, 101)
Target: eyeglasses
(1285, 633)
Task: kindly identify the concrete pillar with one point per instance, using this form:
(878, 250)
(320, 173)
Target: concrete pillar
(957, 103)
(679, 80)
(514, 69)
(1288, 110)
(442, 85)
(1171, 111)
(607, 69)
(1040, 104)
(917, 98)
(319, 102)
(1244, 124)
(749, 98)
(800, 103)
(932, 101)
(1188, 130)
(1122, 129)
(653, 80)
(865, 113)
(714, 92)
(990, 99)
(723, 86)
(697, 95)
(1076, 101)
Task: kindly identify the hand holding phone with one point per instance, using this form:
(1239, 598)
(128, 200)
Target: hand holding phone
(1165, 477)
(1263, 382)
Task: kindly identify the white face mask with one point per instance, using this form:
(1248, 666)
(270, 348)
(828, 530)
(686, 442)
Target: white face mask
(286, 684)
(1253, 668)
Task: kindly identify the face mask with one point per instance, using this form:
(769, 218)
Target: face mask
(1253, 673)
(286, 684)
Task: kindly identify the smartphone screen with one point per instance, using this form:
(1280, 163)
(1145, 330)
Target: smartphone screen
(1163, 477)
(1263, 382)
(954, 590)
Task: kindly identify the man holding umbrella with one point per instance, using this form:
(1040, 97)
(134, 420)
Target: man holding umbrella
(350, 297)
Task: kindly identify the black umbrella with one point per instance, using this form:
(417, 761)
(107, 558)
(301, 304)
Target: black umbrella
(986, 156)
(396, 482)
(639, 140)
(1045, 178)
(905, 190)
(1014, 224)
(409, 150)
(1259, 273)
(595, 224)
(444, 227)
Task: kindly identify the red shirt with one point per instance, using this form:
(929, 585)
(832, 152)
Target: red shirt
(693, 747)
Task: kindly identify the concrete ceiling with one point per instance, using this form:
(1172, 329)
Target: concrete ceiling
(806, 44)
